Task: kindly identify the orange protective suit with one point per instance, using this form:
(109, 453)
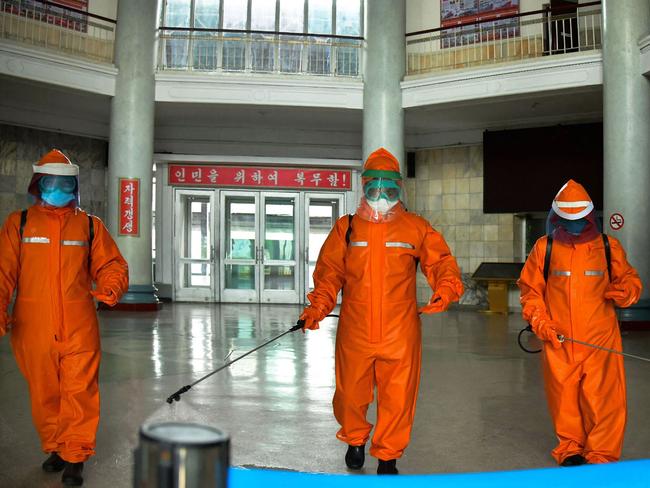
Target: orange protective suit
(378, 341)
(585, 387)
(55, 334)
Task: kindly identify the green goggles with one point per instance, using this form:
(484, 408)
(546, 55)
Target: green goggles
(379, 188)
(66, 184)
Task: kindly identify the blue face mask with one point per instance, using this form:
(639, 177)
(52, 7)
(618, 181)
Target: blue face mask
(57, 191)
(57, 198)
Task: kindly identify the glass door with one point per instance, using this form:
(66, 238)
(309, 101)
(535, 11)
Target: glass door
(278, 257)
(240, 251)
(321, 213)
(194, 266)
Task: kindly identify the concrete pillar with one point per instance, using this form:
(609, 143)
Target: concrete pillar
(385, 65)
(131, 138)
(626, 119)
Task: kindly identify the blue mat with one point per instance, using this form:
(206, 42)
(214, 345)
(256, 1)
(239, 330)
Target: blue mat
(628, 474)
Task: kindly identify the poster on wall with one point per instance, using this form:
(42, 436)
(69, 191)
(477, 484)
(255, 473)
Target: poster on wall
(129, 207)
(51, 14)
(465, 14)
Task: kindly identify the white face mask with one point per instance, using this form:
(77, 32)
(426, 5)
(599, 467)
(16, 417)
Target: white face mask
(382, 206)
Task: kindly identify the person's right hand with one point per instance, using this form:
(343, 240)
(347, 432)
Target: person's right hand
(311, 316)
(546, 330)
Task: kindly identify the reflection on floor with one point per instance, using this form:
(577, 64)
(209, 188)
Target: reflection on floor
(481, 405)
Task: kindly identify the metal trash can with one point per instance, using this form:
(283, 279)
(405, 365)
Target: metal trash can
(181, 455)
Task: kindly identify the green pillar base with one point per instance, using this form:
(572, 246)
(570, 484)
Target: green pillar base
(139, 298)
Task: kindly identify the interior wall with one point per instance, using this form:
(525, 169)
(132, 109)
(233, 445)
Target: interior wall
(21, 147)
(425, 14)
(105, 8)
(448, 191)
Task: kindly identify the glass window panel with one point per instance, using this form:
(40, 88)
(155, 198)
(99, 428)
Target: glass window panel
(234, 52)
(240, 276)
(262, 53)
(263, 15)
(312, 268)
(177, 13)
(320, 17)
(347, 58)
(322, 216)
(279, 278)
(240, 228)
(205, 51)
(235, 13)
(176, 50)
(199, 238)
(348, 17)
(291, 54)
(279, 242)
(321, 220)
(319, 58)
(206, 14)
(292, 15)
(196, 274)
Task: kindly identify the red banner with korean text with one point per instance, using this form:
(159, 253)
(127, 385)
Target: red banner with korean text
(129, 207)
(250, 177)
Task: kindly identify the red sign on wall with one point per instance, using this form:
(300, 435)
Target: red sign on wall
(129, 207)
(249, 177)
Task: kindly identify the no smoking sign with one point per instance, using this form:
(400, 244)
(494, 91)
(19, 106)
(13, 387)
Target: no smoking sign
(616, 221)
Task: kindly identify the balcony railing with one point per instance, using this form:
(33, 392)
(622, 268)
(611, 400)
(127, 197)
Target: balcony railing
(508, 39)
(225, 50)
(53, 26)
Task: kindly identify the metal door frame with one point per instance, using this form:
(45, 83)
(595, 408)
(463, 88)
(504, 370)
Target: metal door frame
(231, 295)
(193, 294)
(281, 296)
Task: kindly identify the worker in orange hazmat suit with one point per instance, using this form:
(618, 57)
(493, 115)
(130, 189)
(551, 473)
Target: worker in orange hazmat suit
(373, 256)
(587, 276)
(50, 254)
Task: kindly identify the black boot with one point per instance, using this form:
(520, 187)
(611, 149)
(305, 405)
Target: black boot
(575, 460)
(53, 464)
(355, 456)
(72, 474)
(387, 467)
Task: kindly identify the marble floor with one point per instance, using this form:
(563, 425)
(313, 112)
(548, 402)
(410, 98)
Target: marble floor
(481, 405)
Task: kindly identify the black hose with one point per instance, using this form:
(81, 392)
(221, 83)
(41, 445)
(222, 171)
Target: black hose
(521, 332)
(176, 396)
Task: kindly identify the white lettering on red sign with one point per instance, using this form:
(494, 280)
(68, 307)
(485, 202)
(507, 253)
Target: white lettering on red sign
(240, 177)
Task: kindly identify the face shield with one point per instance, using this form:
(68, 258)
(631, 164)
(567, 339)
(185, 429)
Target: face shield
(55, 190)
(381, 199)
(575, 231)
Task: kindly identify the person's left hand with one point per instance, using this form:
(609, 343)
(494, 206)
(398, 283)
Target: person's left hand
(439, 302)
(619, 294)
(105, 294)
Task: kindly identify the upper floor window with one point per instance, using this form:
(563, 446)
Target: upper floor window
(287, 36)
(336, 17)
